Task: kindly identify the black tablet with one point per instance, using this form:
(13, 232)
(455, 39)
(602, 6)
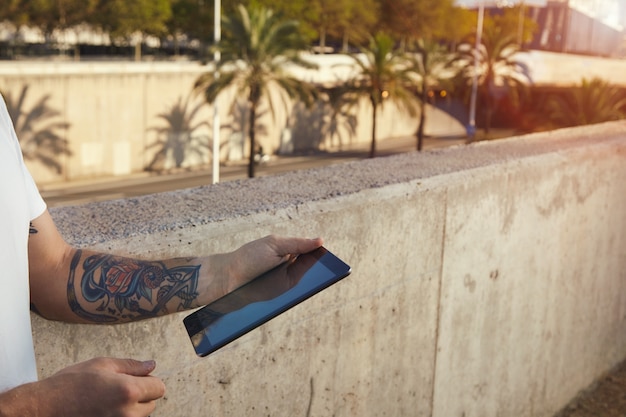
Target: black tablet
(262, 299)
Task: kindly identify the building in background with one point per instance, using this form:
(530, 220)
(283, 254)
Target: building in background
(589, 27)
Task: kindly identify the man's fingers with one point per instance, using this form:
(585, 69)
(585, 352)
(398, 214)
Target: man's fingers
(293, 245)
(133, 367)
(150, 389)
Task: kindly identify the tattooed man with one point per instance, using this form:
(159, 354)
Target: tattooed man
(59, 282)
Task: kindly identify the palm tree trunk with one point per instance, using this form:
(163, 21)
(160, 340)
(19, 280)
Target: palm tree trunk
(251, 135)
(422, 122)
(373, 145)
(489, 82)
(322, 40)
(488, 113)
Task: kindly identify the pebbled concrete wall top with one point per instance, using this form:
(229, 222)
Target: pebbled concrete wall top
(118, 219)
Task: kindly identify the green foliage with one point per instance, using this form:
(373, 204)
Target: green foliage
(257, 47)
(498, 72)
(511, 24)
(10, 11)
(593, 101)
(343, 20)
(191, 17)
(408, 20)
(121, 18)
(48, 15)
(458, 25)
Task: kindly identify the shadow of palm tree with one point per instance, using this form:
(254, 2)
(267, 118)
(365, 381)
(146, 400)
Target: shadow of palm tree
(178, 139)
(338, 117)
(37, 130)
(325, 124)
(238, 125)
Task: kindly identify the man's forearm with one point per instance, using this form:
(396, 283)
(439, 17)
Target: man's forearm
(76, 285)
(102, 288)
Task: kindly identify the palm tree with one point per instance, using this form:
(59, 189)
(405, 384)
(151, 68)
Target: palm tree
(385, 73)
(37, 130)
(498, 71)
(594, 101)
(256, 48)
(177, 139)
(430, 65)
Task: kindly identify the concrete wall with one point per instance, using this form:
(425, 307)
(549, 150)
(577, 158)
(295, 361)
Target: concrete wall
(114, 111)
(488, 280)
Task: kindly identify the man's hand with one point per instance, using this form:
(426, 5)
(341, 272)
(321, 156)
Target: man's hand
(102, 387)
(256, 257)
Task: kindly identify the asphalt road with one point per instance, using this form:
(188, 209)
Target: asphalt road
(74, 193)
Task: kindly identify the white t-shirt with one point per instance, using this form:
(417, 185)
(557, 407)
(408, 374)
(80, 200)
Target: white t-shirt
(20, 203)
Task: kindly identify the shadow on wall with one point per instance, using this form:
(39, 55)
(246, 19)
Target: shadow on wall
(182, 141)
(324, 126)
(39, 130)
(180, 138)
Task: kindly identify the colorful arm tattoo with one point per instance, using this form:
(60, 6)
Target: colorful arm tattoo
(115, 289)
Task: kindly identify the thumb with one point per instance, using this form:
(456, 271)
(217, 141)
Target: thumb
(134, 367)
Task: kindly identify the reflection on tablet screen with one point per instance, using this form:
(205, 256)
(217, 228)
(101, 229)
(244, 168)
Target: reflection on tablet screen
(262, 299)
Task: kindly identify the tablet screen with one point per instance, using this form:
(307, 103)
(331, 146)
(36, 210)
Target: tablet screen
(262, 299)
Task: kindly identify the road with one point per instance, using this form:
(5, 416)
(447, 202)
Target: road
(74, 193)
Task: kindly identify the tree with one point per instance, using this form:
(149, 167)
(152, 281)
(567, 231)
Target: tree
(13, 11)
(431, 65)
(343, 20)
(121, 19)
(64, 15)
(593, 101)
(190, 17)
(498, 72)
(297, 10)
(385, 74)
(37, 129)
(48, 15)
(256, 49)
(512, 23)
(457, 26)
(408, 20)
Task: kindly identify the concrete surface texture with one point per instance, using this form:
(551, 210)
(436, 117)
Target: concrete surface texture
(488, 280)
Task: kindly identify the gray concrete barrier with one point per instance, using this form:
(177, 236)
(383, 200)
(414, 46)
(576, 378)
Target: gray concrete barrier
(488, 280)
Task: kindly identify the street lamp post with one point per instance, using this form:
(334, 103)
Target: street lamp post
(217, 35)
